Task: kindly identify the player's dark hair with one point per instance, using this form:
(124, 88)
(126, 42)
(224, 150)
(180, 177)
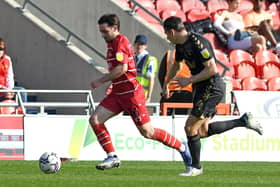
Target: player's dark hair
(173, 22)
(110, 19)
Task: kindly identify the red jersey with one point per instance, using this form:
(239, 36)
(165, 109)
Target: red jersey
(119, 51)
(5, 63)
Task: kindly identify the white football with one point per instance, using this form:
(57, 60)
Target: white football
(49, 162)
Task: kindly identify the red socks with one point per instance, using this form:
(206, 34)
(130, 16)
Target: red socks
(166, 138)
(103, 137)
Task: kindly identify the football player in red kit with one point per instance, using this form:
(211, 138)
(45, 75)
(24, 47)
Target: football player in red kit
(127, 95)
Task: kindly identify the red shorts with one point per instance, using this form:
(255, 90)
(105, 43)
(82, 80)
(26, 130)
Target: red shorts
(133, 103)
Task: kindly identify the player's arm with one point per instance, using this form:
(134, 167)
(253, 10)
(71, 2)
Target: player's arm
(170, 75)
(119, 70)
(209, 70)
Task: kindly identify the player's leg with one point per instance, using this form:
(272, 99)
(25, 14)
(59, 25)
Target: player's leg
(207, 95)
(97, 120)
(135, 105)
(193, 124)
(265, 30)
(246, 120)
(148, 131)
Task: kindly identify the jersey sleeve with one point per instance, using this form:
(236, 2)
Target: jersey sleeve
(123, 50)
(202, 48)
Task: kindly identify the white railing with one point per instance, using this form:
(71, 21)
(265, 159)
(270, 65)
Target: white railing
(88, 105)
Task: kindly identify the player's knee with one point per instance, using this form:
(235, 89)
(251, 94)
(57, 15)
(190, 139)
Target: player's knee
(93, 120)
(190, 130)
(202, 132)
(146, 133)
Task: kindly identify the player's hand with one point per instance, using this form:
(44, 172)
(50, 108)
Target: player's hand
(166, 92)
(180, 82)
(96, 83)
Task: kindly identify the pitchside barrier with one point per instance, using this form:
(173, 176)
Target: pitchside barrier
(72, 137)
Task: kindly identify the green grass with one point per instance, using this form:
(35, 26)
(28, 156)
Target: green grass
(141, 174)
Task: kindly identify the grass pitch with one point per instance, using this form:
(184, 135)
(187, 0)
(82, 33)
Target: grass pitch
(141, 174)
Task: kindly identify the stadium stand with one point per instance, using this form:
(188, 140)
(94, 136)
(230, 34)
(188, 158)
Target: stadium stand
(245, 7)
(172, 12)
(243, 63)
(214, 41)
(273, 84)
(146, 16)
(197, 14)
(236, 84)
(253, 84)
(267, 64)
(167, 4)
(188, 5)
(215, 6)
(222, 57)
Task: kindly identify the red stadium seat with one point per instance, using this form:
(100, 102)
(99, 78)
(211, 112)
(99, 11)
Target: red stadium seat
(273, 84)
(236, 84)
(243, 63)
(172, 12)
(222, 57)
(270, 70)
(263, 59)
(146, 16)
(253, 83)
(245, 6)
(167, 4)
(216, 5)
(214, 41)
(197, 14)
(188, 5)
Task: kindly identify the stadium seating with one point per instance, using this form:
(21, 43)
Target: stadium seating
(267, 61)
(236, 84)
(273, 84)
(245, 7)
(245, 68)
(172, 12)
(214, 41)
(270, 70)
(243, 63)
(197, 14)
(222, 57)
(167, 4)
(146, 16)
(253, 84)
(188, 5)
(214, 6)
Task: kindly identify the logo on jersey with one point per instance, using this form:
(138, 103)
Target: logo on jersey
(119, 57)
(205, 53)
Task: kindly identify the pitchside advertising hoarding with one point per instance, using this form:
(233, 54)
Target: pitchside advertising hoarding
(260, 103)
(73, 137)
(11, 138)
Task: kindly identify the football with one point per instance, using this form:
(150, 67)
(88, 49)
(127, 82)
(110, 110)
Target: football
(49, 162)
